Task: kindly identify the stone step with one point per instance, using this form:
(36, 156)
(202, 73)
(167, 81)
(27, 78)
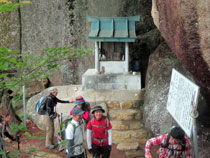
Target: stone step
(125, 114)
(143, 141)
(126, 125)
(95, 97)
(129, 136)
(127, 146)
(132, 104)
(135, 154)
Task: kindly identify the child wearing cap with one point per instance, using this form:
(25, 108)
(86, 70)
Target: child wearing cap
(99, 134)
(74, 135)
(80, 102)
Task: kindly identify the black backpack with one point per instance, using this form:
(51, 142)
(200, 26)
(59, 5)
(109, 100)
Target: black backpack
(41, 106)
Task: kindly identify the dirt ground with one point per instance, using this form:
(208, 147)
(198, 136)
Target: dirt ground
(34, 147)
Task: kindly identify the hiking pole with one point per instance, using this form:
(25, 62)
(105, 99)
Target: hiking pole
(60, 125)
(18, 141)
(59, 122)
(61, 118)
(194, 114)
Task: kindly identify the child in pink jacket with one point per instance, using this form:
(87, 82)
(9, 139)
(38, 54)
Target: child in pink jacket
(85, 107)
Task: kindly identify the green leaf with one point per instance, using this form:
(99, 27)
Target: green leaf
(15, 153)
(3, 75)
(41, 138)
(63, 143)
(22, 127)
(27, 134)
(2, 152)
(33, 150)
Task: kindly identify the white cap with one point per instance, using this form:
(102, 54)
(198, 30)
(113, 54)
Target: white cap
(53, 89)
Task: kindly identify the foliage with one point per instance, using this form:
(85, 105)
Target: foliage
(19, 69)
(1, 152)
(6, 5)
(16, 128)
(15, 153)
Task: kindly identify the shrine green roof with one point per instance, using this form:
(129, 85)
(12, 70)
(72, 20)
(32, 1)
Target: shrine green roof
(113, 29)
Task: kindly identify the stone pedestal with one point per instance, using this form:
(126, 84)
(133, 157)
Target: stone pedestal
(110, 81)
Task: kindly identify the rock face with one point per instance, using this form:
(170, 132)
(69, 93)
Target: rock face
(156, 116)
(53, 23)
(185, 27)
(10, 30)
(157, 86)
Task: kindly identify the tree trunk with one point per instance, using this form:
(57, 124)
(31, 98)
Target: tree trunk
(7, 104)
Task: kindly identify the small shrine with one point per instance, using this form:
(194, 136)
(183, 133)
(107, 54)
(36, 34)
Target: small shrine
(112, 36)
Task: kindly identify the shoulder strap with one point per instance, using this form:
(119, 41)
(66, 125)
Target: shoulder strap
(107, 122)
(92, 121)
(74, 127)
(167, 141)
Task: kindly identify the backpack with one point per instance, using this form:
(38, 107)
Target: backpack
(41, 106)
(64, 126)
(62, 133)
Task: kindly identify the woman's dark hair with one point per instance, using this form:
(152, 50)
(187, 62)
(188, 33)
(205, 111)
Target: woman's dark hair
(85, 106)
(176, 133)
(1, 118)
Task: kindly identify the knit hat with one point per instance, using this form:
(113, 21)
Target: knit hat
(98, 108)
(77, 111)
(79, 100)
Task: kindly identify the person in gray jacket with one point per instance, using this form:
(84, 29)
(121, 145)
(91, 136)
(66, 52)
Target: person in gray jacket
(74, 135)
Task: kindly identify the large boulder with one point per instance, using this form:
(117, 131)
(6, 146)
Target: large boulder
(185, 27)
(158, 78)
(156, 116)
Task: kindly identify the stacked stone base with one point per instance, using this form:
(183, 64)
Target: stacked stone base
(128, 128)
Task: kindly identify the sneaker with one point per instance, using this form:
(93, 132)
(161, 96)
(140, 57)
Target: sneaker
(51, 147)
(55, 144)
